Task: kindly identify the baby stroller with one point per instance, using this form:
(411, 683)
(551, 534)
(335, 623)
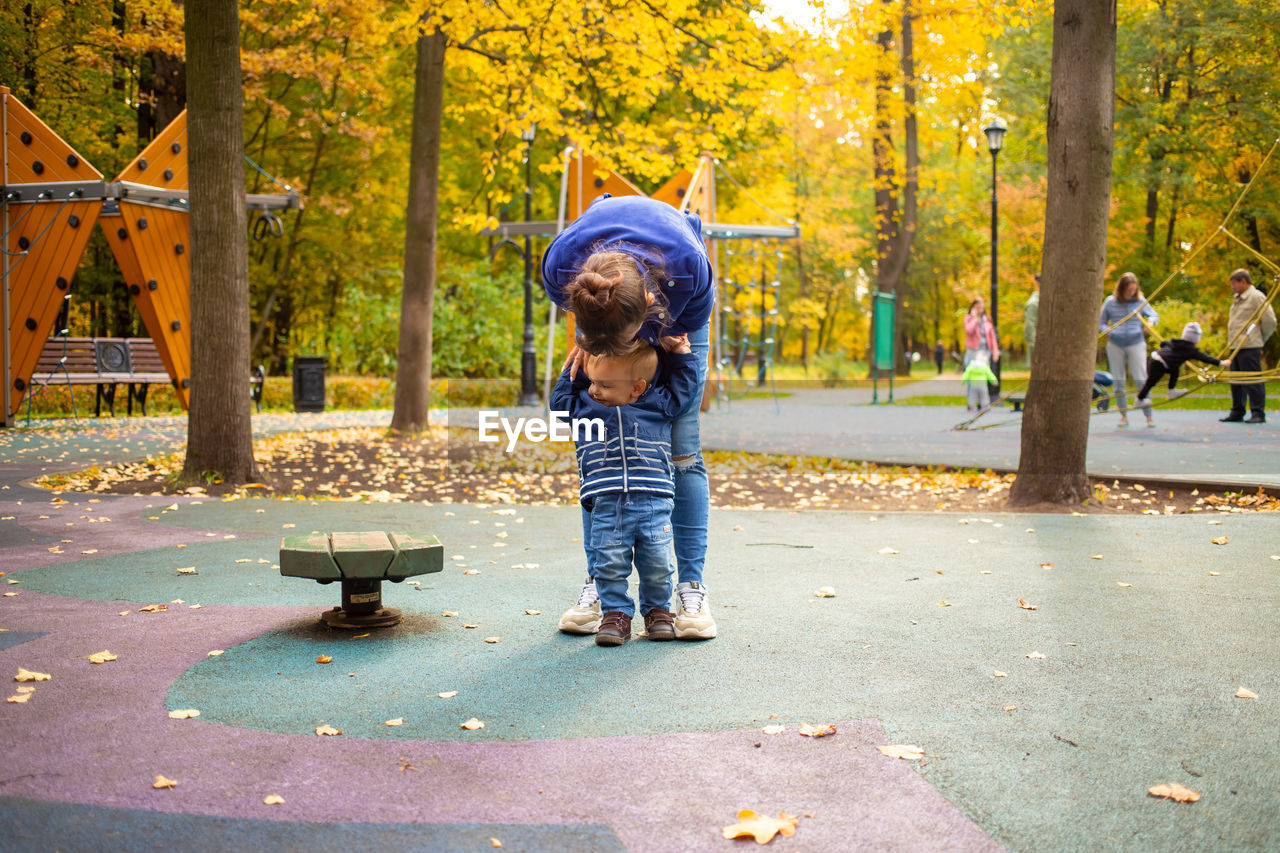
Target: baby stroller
(1102, 385)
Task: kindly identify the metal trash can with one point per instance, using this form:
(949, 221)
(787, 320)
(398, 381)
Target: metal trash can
(308, 383)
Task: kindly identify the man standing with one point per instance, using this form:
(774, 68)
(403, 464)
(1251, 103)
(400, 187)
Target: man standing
(1030, 314)
(1249, 324)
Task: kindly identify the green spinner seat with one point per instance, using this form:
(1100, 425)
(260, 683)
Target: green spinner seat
(361, 562)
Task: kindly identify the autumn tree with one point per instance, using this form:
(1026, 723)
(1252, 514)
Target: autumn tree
(219, 432)
(1055, 428)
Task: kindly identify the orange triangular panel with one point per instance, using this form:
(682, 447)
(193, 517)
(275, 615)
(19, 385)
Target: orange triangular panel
(674, 190)
(150, 243)
(588, 180)
(45, 238)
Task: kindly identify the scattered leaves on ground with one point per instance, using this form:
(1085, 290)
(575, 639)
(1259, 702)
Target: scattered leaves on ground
(324, 659)
(493, 639)
(184, 714)
(774, 729)
(153, 608)
(1221, 540)
(1174, 791)
(101, 657)
(215, 653)
(327, 729)
(28, 675)
(472, 724)
(1035, 655)
(825, 592)
(761, 827)
(1026, 605)
(817, 729)
(448, 694)
(19, 698)
(995, 673)
(162, 782)
(398, 721)
(273, 800)
(1246, 693)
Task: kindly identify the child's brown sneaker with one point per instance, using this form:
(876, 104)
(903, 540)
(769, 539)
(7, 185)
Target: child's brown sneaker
(615, 629)
(660, 624)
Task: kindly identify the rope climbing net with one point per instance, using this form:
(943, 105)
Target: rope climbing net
(1205, 375)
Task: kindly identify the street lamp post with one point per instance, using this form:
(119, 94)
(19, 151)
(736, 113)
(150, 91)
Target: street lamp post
(995, 141)
(528, 354)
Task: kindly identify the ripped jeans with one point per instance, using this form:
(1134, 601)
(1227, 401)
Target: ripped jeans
(693, 494)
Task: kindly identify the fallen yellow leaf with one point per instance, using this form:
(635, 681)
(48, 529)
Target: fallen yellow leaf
(162, 782)
(944, 603)
(1123, 584)
(761, 827)
(1246, 693)
(28, 675)
(101, 657)
(1009, 708)
(533, 612)
(215, 653)
(273, 800)
(398, 721)
(1174, 791)
(19, 697)
(1221, 540)
(995, 673)
(471, 571)
(825, 592)
(327, 729)
(447, 613)
(495, 842)
(820, 730)
(907, 752)
(774, 729)
(448, 694)
(359, 636)
(472, 724)
(323, 659)
(493, 639)
(153, 608)
(1036, 655)
(184, 714)
(1026, 605)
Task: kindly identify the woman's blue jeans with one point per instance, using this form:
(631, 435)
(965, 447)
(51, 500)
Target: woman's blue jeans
(693, 494)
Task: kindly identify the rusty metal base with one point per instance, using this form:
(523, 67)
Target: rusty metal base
(384, 617)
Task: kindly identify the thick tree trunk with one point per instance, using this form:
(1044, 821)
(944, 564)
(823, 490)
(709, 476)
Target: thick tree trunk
(219, 432)
(413, 368)
(1055, 428)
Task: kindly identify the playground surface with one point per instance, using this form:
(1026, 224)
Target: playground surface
(1042, 729)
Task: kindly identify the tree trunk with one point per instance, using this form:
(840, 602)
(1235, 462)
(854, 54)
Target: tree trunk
(413, 368)
(1055, 428)
(219, 432)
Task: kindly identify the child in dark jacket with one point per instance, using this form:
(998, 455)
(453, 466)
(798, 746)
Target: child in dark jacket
(627, 476)
(1170, 358)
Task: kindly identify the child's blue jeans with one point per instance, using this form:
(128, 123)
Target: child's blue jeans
(626, 527)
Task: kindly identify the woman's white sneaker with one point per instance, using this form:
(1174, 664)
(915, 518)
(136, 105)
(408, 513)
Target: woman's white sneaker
(583, 617)
(693, 618)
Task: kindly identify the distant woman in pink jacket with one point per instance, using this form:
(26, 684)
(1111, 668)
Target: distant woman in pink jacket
(979, 334)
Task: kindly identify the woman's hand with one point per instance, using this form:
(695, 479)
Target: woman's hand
(576, 360)
(676, 344)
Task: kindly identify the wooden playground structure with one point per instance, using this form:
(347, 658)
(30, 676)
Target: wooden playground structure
(50, 200)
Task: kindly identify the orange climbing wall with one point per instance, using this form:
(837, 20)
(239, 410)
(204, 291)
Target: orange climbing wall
(150, 244)
(54, 234)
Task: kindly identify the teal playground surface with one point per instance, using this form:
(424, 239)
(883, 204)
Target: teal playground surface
(1042, 729)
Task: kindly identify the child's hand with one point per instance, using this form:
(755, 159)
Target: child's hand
(1225, 364)
(678, 344)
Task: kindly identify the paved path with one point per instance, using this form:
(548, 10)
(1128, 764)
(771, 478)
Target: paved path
(650, 746)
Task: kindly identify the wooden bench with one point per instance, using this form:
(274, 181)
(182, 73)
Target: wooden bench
(108, 363)
(361, 562)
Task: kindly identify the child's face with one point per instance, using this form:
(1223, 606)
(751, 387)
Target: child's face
(612, 383)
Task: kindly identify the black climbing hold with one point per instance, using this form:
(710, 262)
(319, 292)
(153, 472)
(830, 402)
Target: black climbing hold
(61, 283)
(19, 384)
(134, 289)
(142, 224)
(179, 249)
(73, 221)
(37, 167)
(31, 323)
(599, 182)
(122, 234)
(152, 285)
(24, 243)
(186, 383)
(175, 325)
(176, 147)
(680, 192)
(25, 137)
(142, 165)
(168, 174)
(73, 160)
